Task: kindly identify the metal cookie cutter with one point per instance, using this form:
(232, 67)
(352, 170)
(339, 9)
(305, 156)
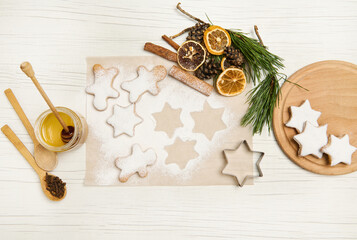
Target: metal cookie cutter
(257, 164)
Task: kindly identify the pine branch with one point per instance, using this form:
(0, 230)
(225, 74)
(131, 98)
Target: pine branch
(257, 57)
(262, 100)
(262, 68)
(260, 63)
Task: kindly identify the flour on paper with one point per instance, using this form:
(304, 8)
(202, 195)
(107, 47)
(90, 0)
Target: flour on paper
(208, 121)
(168, 120)
(181, 152)
(203, 169)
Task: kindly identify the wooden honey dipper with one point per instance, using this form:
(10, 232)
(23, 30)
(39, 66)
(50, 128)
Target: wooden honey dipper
(67, 132)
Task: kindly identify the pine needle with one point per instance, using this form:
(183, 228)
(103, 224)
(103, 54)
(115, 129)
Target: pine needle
(259, 60)
(262, 67)
(262, 100)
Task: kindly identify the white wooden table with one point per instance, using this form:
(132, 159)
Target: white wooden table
(56, 36)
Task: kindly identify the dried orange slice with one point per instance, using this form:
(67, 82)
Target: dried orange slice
(216, 39)
(225, 63)
(231, 82)
(191, 55)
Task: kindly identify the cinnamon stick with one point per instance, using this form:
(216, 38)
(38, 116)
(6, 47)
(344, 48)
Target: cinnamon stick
(171, 42)
(191, 80)
(161, 51)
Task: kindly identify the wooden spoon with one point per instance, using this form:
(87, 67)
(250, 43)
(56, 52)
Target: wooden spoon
(45, 159)
(66, 133)
(28, 156)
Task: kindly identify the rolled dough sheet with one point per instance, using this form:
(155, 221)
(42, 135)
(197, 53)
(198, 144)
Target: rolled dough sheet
(103, 148)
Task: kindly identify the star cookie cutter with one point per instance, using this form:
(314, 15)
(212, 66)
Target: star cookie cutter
(257, 164)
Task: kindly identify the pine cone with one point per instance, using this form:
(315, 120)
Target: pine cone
(196, 33)
(208, 70)
(234, 56)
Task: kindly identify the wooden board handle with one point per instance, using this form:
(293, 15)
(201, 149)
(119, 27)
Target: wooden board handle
(22, 149)
(28, 70)
(20, 112)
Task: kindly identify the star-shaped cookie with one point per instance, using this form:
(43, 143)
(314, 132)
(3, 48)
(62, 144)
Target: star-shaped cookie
(311, 140)
(339, 150)
(240, 163)
(302, 114)
(168, 120)
(136, 162)
(181, 152)
(208, 121)
(124, 120)
(145, 82)
(102, 88)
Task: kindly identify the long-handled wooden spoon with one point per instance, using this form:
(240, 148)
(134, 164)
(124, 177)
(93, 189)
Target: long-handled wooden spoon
(28, 156)
(45, 159)
(67, 132)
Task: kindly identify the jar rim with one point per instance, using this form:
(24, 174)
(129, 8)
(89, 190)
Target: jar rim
(38, 127)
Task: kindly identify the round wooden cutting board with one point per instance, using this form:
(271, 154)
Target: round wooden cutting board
(332, 90)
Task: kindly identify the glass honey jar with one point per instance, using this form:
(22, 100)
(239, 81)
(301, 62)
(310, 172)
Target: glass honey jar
(48, 130)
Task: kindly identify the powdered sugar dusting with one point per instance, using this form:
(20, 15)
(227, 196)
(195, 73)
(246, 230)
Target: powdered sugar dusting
(145, 82)
(177, 95)
(102, 88)
(137, 162)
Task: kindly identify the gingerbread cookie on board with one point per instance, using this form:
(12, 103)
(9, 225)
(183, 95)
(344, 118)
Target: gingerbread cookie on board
(302, 114)
(145, 82)
(136, 162)
(311, 140)
(339, 150)
(102, 88)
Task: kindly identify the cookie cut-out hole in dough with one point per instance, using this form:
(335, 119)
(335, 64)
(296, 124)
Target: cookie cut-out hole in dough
(181, 152)
(168, 120)
(145, 82)
(302, 114)
(124, 120)
(136, 162)
(102, 88)
(339, 150)
(208, 121)
(311, 140)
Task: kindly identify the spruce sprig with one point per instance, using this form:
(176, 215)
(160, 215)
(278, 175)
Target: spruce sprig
(259, 60)
(262, 100)
(263, 68)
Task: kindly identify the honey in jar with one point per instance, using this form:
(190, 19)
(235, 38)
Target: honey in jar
(48, 130)
(51, 129)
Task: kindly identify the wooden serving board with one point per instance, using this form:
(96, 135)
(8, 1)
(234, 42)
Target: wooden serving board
(332, 90)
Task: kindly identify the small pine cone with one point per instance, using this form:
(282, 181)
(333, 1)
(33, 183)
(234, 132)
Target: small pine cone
(207, 70)
(234, 55)
(233, 63)
(200, 74)
(196, 33)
